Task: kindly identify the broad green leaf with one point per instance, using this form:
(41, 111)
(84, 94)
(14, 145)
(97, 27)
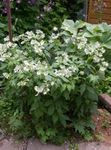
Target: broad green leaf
(79, 24)
(68, 25)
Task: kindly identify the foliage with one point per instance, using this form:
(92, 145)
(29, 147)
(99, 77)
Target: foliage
(53, 83)
(75, 9)
(42, 14)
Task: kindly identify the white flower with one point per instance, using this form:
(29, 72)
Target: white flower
(6, 39)
(105, 64)
(103, 50)
(97, 45)
(22, 83)
(102, 69)
(96, 59)
(6, 75)
(29, 34)
(86, 51)
(46, 91)
(26, 68)
(54, 36)
(9, 44)
(39, 89)
(33, 42)
(42, 89)
(100, 54)
(81, 45)
(15, 39)
(81, 72)
(38, 50)
(17, 69)
(55, 28)
(52, 83)
(39, 34)
(2, 59)
(39, 73)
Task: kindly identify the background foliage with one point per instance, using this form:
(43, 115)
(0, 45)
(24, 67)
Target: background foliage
(42, 14)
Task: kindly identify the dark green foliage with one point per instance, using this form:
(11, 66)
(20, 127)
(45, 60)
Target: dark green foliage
(42, 15)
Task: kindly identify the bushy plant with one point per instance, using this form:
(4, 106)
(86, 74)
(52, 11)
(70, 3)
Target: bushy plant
(53, 83)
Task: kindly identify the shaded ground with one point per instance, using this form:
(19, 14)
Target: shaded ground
(103, 126)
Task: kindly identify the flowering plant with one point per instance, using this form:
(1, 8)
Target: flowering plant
(53, 82)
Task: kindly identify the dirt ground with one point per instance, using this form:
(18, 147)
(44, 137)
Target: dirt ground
(103, 126)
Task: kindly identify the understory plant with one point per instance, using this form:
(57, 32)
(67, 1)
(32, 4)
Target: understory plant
(51, 85)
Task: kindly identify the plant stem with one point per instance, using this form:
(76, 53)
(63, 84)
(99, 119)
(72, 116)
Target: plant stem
(9, 20)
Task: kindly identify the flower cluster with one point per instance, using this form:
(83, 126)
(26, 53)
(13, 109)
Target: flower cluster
(42, 63)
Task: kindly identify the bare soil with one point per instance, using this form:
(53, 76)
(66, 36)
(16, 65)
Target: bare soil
(103, 126)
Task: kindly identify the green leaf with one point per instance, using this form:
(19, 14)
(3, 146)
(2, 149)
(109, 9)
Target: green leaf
(68, 25)
(92, 94)
(2, 25)
(63, 120)
(82, 88)
(55, 118)
(65, 79)
(107, 45)
(93, 78)
(79, 24)
(51, 110)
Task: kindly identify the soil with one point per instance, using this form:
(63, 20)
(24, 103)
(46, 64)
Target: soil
(103, 126)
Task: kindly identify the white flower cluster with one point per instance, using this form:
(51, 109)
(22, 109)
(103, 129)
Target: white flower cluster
(31, 66)
(93, 49)
(82, 42)
(44, 88)
(22, 83)
(69, 59)
(53, 37)
(38, 46)
(6, 75)
(66, 69)
(4, 53)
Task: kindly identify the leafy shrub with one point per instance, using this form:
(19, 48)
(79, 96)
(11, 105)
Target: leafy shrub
(53, 83)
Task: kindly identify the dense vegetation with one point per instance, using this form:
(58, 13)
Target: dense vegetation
(38, 14)
(51, 75)
(52, 84)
